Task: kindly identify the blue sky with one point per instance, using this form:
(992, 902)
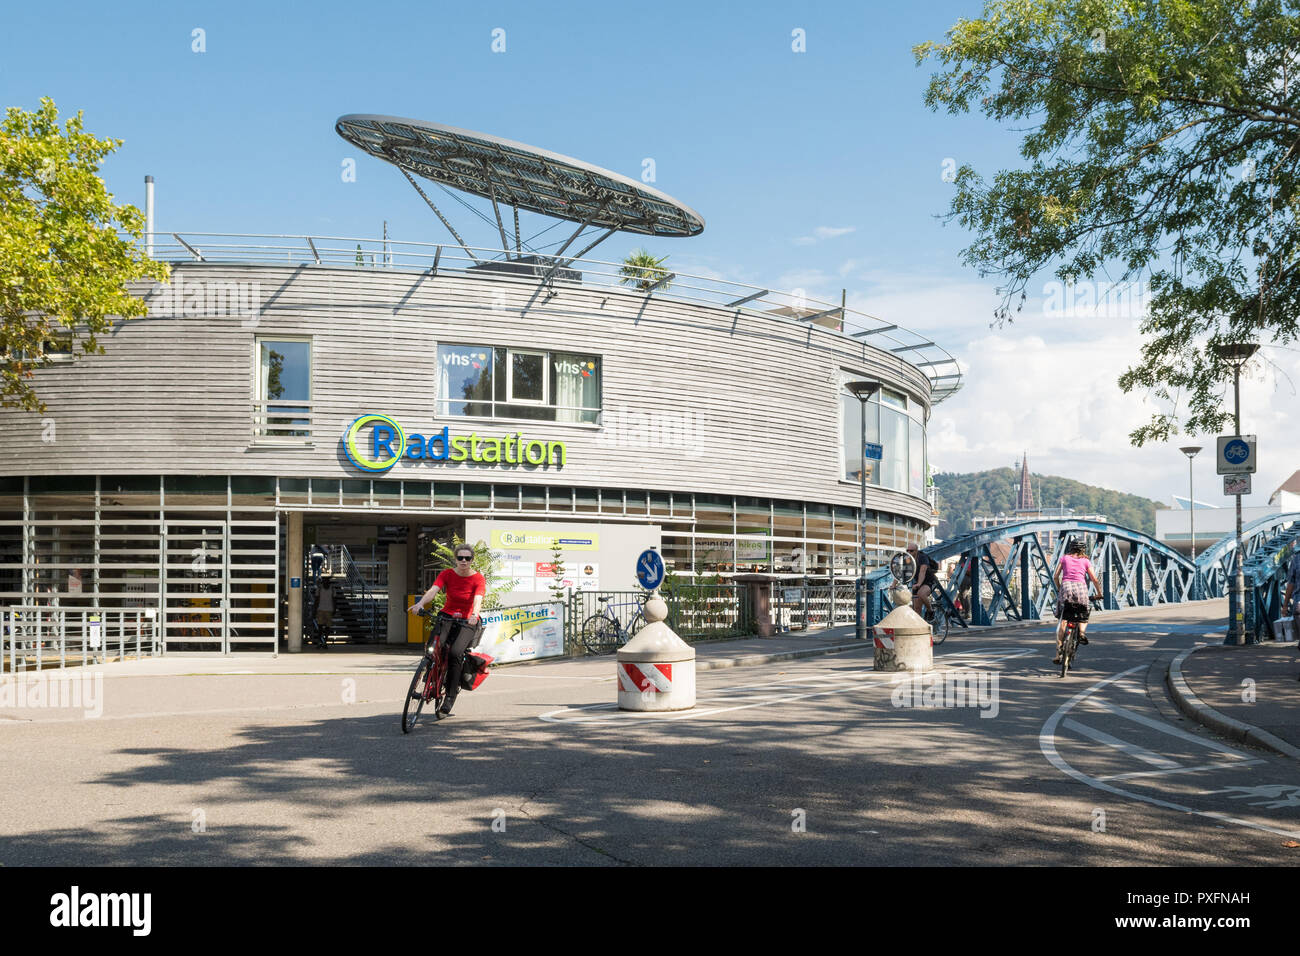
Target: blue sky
(819, 170)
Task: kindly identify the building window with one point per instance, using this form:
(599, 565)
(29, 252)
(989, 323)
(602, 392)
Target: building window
(282, 395)
(901, 437)
(527, 383)
(479, 381)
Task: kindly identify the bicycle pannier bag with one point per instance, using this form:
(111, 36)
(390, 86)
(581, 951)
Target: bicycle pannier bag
(475, 670)
(1074, 611)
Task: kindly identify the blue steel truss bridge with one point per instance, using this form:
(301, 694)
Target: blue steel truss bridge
(1006, 573)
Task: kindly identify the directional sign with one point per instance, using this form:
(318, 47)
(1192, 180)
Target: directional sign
(1236, 454)
(874, 452)
(649, 569)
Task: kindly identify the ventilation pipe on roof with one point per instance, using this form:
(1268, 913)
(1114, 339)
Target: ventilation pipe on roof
(148, 216)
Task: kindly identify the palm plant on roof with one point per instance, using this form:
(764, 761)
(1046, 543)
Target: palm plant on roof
(643, 270)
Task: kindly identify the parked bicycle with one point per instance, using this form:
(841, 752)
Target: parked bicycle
(315, 634)
(603, 632)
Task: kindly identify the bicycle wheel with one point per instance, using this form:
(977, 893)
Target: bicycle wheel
(437, 689)
(415, 696)
(599, 634)
(638, 622)
(1067, 650)
(940, 626)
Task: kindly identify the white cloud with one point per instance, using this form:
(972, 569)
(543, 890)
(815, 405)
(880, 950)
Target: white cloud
(833, 232)
(1048, 386)
(824, 232)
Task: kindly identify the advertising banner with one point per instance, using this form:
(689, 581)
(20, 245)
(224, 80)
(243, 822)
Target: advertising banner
(528, 540)
(523, 633)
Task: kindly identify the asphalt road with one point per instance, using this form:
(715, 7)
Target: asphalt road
(816, 761)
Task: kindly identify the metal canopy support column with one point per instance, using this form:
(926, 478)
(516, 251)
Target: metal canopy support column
(505, 243)
(592, 245)
(559, 263)
(459, 241)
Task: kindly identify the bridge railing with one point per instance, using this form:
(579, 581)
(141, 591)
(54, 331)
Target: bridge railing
(1269, 549)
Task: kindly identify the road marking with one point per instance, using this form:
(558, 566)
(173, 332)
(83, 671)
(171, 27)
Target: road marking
(1162, 773)
(1133, 750)
(1047, 744)
(1165, 728)
(848, 681)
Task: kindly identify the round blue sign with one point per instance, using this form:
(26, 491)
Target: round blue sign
(1236, 451)
(650, 569)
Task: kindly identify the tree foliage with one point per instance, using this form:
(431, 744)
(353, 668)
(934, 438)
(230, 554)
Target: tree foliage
(1162, 140)
(64, 262)
(982, 493)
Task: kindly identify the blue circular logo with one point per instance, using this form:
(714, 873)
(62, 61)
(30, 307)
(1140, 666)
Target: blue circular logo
(1236, 451)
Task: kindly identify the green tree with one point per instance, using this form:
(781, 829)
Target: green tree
(486, 562)
(1162, 141)
(64, 261)
(643, 270)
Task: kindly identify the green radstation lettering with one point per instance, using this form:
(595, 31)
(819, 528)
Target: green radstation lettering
(443, 446)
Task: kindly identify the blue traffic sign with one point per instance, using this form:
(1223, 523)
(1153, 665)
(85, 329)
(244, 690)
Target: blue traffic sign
(650, 569)
(1237, 454)
(1236, 451)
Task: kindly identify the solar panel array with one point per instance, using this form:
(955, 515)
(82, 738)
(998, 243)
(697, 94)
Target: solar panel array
(522, 176)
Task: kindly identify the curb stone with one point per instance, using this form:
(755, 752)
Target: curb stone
(1206, 715)
(750, 660)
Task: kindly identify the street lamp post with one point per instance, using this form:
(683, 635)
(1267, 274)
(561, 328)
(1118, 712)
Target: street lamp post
(862, 390)
(1237, 354)
(1190, 451)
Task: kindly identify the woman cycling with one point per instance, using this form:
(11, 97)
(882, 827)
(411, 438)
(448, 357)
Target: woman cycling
(465, 589)
(1072, 576)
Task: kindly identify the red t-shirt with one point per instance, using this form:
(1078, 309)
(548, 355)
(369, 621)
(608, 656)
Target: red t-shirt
(460, 591)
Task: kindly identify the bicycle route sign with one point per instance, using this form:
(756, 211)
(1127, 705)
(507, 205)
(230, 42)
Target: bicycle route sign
(1236, 454)
(649, 569)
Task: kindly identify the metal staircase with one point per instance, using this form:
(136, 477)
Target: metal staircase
(360, 607)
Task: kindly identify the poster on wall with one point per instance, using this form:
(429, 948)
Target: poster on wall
(523, 633)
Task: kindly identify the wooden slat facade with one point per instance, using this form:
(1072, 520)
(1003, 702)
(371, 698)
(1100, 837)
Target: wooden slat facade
(174, 395)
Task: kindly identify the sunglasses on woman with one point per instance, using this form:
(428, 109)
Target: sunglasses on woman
(464, 557)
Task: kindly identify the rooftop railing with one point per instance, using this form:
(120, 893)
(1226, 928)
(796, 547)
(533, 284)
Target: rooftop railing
(931, 359)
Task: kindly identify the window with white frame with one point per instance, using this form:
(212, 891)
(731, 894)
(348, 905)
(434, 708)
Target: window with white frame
(483, 381)
(282, 390)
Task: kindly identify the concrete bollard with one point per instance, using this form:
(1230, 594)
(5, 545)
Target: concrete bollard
(903, 642)
(656, 669)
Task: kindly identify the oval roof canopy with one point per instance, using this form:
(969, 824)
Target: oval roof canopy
(520, 176)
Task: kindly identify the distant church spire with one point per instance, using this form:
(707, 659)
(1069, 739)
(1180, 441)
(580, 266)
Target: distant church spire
(1025, 497)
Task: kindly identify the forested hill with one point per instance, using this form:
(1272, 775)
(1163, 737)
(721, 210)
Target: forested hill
(988, 492)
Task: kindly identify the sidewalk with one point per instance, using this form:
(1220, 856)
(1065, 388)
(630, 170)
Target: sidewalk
(1249, 693)
(744, 652)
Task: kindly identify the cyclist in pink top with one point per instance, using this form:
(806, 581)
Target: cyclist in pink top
(1072, 576)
